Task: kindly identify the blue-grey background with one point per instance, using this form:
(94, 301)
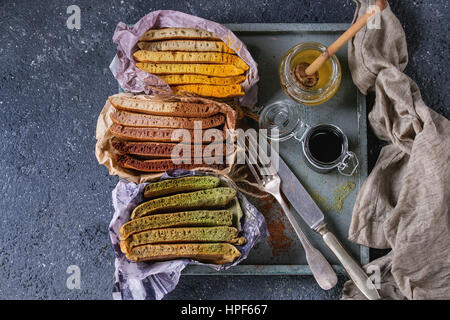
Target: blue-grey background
(55, 202)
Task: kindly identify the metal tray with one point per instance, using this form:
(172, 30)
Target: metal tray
(282, 253)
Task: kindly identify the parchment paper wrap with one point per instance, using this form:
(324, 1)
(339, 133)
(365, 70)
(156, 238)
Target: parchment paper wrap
(152, 281)
(132, 79)
(106, 154)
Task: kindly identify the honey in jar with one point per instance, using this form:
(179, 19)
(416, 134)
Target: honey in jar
(307, 57)
(328, 76)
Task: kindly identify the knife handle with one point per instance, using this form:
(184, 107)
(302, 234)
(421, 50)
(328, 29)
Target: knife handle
(354, 271)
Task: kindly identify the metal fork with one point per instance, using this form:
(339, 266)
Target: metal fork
(320, 267)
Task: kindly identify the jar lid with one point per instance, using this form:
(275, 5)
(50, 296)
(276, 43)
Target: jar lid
(281, 119)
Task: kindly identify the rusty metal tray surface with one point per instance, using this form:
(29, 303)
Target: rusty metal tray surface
(281, 253)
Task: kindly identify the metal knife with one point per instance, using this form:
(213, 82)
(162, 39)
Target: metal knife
(313, 216)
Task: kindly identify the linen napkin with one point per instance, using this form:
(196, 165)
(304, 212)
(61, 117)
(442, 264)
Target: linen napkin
(404, 204)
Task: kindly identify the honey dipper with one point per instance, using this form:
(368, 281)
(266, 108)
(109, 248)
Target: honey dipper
(307, 74)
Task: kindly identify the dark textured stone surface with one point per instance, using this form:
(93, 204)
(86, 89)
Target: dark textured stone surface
(56, 200)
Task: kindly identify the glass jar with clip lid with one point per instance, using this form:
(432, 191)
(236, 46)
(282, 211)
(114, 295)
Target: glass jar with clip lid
(324, 146)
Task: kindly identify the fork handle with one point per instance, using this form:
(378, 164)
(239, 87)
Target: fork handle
(320, 267)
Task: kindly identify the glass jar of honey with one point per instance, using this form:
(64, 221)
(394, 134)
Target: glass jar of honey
(329, 74)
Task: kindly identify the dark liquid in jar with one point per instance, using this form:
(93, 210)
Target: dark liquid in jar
(325, 145)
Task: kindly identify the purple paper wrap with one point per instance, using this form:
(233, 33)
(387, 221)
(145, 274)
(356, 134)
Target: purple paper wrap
(150, 281)
(132, 79)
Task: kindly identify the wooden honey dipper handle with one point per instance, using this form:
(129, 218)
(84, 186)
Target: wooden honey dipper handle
(346, 36)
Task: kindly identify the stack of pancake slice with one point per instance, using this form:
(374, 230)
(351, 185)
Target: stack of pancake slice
(188, 217)
(192, 61)
(147, 135)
